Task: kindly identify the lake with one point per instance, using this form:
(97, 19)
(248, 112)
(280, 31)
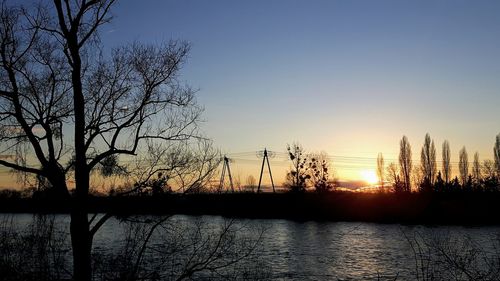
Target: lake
(290, 250)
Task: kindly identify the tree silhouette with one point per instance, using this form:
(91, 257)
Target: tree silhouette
(488, 169)
(439, 184)
(476, 168)
(496, 154)
(110, 166)
(393, 176)
(188, 165)
(380, 169)
(320, 171)
(419, 180)
(55, 83)
(299, 173)
(428, 160)
(489, 180)
(405, 163)
(446, 162)
(463, 166)
(251, 183)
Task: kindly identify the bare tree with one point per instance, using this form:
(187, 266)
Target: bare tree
(463, 166)
(54, 83)
(488, 169)
(380, 169)
(392, 172)
(210, 255)
(188, 166)
(34, 250)
(418, 179)
(393, 177)
(250, 183)
(320, 172)
(428, 160)
(453, 257)
(299, 174)
(405, 163)
(476, 168)
(34, 99)
(142, 248)
(446, 162)
(496, 152)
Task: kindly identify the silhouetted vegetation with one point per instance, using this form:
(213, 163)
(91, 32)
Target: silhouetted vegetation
(428, 163)
(453, 258)
(299, 174)
(431, 207)
(446, 161)
(69, 110)
(37, 251)
(483, 177)
(463, 166)
(381, 170)
(180, 251)
(308, 170)
(320, 172)
(405, 164)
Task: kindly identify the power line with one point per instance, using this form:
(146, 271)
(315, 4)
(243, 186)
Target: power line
(350, 159)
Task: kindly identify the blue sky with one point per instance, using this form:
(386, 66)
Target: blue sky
(346, 77)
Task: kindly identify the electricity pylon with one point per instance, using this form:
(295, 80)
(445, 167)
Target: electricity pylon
(225, 166)
(265, 158)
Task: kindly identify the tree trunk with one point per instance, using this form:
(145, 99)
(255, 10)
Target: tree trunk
(81, 241)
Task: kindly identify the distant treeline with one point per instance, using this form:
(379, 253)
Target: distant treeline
(472, 176)
(313, 171)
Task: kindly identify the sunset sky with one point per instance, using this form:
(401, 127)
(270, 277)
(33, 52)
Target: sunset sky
(345, 77)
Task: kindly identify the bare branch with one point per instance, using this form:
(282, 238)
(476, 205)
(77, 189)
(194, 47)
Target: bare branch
(21, 168)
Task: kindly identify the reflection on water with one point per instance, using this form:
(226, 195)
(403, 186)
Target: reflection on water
(323, 250)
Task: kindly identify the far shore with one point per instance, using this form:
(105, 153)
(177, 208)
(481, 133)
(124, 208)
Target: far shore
(460, 208)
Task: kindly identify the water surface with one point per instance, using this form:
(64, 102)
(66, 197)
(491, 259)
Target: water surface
(290, 250)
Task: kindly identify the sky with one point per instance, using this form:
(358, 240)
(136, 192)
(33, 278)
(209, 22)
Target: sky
(347, 77)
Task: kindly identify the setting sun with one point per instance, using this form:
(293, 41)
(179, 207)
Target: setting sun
(369, 176)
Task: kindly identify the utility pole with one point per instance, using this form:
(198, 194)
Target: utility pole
(225, 166)
(265, 158)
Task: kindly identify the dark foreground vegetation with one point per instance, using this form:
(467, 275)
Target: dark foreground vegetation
(421, 208)
(141, 248)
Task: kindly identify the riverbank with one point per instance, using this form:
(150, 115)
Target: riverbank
(416, 208)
